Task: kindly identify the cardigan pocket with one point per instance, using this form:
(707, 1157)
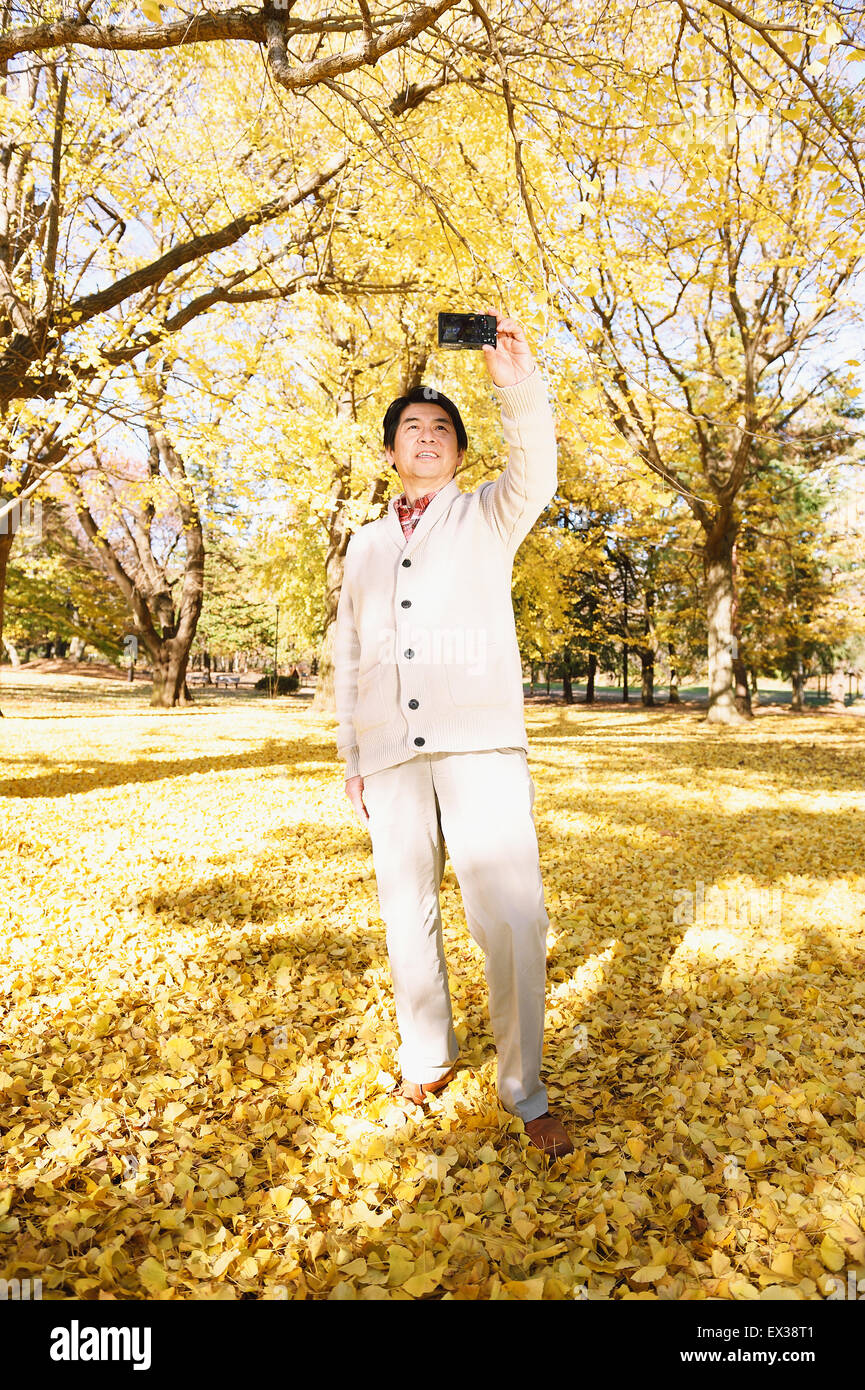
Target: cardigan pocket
(370, 709)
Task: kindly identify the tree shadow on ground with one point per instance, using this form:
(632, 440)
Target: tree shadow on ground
(94, 774)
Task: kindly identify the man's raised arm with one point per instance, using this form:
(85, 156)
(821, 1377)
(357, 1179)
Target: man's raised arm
(515, 500)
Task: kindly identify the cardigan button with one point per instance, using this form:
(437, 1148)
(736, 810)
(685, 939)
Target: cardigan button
(406, 563)
(409, 653)
(420, 741)
(406, 603)
(413, 704)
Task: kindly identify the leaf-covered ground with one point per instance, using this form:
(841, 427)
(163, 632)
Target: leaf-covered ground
(198, 1036)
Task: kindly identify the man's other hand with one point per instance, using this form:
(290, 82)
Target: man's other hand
(354, 792)
(510, 361)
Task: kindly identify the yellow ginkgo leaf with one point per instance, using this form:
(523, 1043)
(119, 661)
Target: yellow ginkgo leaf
(424, 1282)
(152, 1275)
(783, 1264)
(400, 1266)
(831, 1254)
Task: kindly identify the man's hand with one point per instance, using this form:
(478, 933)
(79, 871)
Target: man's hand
(510, 360)
(354, 792)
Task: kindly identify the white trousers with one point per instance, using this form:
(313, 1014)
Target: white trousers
(478, 806)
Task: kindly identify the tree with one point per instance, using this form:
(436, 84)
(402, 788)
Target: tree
(425, 104)
(61, 340)
(400, 65)
(234, 619)
(80, 298)
(27, 450)
(54, 594)
(794, 617)
(144, 525)
(720, 267)
(800, 57)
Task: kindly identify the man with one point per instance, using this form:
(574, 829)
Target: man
(429, 702)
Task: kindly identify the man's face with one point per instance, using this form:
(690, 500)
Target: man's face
(425, 447)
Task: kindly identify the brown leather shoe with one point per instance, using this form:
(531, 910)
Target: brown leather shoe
(549, 1135)
(417, 1091)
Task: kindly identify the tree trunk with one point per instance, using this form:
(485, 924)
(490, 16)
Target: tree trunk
(166, 633)
(743, 693)
(720, 605)
(567, 687)
(7, 536)
(647, 652)
(647, 676)
(11, 652)
(674, 678)
(169, 675)
(798, 681)
(625, 692)
(590, 679)
(324, 697)
(740, 673)
(169, 654)
(6, 539)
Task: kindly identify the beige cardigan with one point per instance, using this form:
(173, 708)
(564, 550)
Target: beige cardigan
(425, 647)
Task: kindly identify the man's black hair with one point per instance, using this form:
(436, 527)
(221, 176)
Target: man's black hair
(417, 396)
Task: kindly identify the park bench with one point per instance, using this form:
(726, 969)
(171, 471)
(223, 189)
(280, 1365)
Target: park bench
(216, 678)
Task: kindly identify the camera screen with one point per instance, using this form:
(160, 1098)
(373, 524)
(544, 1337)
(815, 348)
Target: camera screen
(456, 330)
(467, 330)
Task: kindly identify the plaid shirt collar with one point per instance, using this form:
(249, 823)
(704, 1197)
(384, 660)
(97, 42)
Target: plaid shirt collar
(410, 513)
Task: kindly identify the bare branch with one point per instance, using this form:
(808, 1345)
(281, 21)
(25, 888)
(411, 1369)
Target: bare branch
(208, 27)
(335, 64)
(54, 201)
